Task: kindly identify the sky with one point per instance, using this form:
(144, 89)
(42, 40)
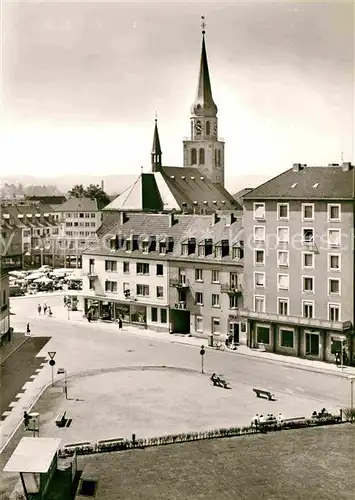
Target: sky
(82, 81)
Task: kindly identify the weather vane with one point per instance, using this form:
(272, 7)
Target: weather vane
(203, 25)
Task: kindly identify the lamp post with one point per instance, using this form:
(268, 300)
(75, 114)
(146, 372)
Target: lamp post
(351, 378)
(60, 372)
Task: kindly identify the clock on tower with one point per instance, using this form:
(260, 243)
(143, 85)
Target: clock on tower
(198, 127)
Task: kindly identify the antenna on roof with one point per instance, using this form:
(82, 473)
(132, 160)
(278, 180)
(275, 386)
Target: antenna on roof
(142, 169)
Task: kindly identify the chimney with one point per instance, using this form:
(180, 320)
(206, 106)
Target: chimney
(215, 218)
(171, 219)
(346, 166)
(230, 219)
(123, 218)
(102, 185)
(297, 167)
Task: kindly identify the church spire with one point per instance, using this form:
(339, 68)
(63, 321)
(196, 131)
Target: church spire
(156, 150)
(204, 104)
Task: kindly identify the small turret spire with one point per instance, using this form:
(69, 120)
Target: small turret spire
(156, 149)
(204, 104)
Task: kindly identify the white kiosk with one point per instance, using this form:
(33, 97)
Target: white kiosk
(35, 459)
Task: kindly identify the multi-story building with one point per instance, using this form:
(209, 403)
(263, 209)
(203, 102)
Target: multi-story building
(299, 262)
(4, 306)
(180, 273)
(28, 235)
(79, 220)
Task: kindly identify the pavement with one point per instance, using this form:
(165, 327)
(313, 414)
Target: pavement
(152, 380)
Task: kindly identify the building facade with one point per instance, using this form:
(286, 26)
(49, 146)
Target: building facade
(299, 262)
(4, 307)
(178, 273)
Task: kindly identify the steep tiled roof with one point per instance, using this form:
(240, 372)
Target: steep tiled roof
(78, 204)
(190, 185)
(241, 194)
(332, 182)
(185, 227)
(24, 216)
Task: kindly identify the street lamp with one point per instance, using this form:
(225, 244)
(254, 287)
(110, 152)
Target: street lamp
(351, 378)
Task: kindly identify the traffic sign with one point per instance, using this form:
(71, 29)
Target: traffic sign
(52, 362)
(51, 354)
(202, 352)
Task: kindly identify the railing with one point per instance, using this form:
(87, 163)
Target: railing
(91, 273)
(295, 320)
(178, 283)
(231, 288)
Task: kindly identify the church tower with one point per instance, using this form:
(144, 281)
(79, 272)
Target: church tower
(156, 153)
(203, 149)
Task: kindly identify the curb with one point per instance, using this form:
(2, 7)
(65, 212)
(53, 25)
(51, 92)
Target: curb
(17, 348)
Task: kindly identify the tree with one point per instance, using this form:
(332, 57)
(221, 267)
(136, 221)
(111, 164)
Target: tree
(95, 192)
(78, 191)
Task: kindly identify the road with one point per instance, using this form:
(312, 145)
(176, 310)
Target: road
(82, 346)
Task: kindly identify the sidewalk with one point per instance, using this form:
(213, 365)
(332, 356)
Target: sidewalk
(61, 314)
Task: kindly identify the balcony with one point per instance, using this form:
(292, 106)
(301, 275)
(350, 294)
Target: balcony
(231, 288)
(91, 273)
(295, 320)
(180, 305)
(178, 283)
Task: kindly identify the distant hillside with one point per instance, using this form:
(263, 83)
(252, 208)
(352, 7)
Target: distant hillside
(113, 184)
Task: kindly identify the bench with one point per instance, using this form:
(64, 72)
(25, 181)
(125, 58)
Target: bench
(260, 392)
(219, 382)
(60, 420)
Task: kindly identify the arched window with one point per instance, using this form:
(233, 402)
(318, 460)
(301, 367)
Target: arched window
(208, 128)
(193, 156)
(219, 157)
(202, 156)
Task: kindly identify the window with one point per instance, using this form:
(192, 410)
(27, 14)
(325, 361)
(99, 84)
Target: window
(307, 309)
(193, 156)
(163, 316)
(282, 211)
(160, 292)
(334, 262)
(81, 215)
(259, 211)
(143, 290)
(334, 237)
(259, 234)
(334, 312)
(160, 270)
(162, 247)
(142, 268)
(145, 246)
(110, 265)
(307, 211)
(75, 215)
(215, 326)
(308, 284)
(282, 258)
(199, 323)
(259, 280)
(87, 215)
(259, 303)
(334, 212)
(92, 215)
(259, 257)
(201, 250)
(237, 252)
(282, 306)
(128, 245)
(68, 214)
(208, 128)
(308, 260)
(233, 302)
(263, 334)
(111, 286)
(92, 283)
(283, 281)
(184, 249)
(199, 298)
(198, 275)
(154, 314)
(201, 154)
(308, 236)
(283, 234)
(215, 300)
(334, 286)
(126, 267)
(215, 276)
(126, 290)
(286, 338)
(92, 224)
(218, 251)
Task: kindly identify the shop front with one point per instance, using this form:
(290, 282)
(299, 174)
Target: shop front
(106, 310)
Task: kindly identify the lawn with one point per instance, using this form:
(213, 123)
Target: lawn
(313, 463)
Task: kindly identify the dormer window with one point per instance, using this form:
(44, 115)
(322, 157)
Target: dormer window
(152, 244)
(170, 244)
(114, 243)
(135, 242)
(218, 251)
(145, 246)
(237, 252)
(184, 249)
(201, 250)
(162, 246)
(129, 245)
(208, 247)
(225, 248)
(191, 245)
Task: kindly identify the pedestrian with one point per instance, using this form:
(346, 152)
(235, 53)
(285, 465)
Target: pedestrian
(49, 311)
(255, 420)
(89, 316)
(120, 324)
(65, 300)
(337, 358)
(28, 330)
(39, 308)
(45, 307)
(26, 419)
(280, 419)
